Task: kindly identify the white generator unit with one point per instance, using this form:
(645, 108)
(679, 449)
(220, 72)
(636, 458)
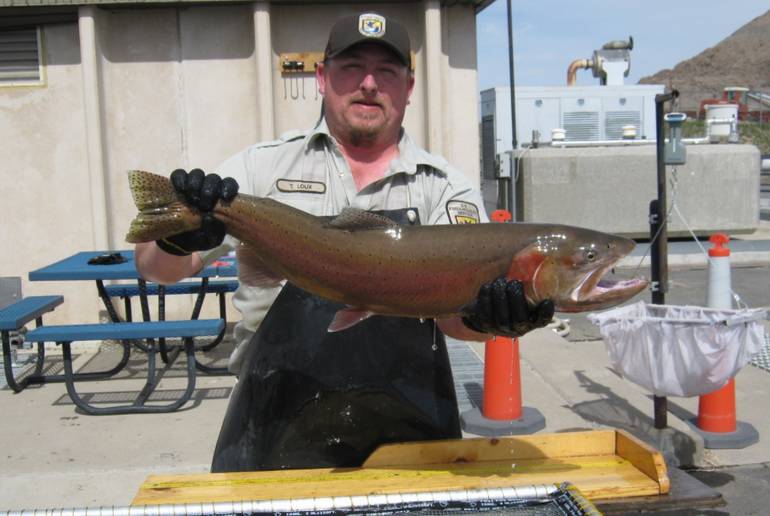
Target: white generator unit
(585, 113)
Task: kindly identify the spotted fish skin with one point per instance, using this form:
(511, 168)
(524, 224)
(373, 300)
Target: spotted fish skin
(376, 266)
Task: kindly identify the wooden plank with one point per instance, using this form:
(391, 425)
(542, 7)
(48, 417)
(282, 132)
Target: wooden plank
(644, 457)
(596, 477)
(562, 445)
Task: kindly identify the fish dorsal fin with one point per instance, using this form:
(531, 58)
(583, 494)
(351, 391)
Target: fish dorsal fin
(354, 219)
(252, 270)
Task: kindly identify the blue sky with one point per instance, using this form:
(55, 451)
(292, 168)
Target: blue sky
(549, 34)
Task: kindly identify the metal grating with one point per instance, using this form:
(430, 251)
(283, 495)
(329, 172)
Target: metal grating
(581, 125)
(468, 374)
(762, 359)
(20, 57)
(488, 157)
(615, 120)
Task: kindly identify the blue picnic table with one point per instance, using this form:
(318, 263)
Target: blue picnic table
(78, 268)
(144, 334)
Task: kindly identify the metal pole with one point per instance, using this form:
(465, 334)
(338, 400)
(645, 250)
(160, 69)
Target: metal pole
(659, 227)
(514, 143)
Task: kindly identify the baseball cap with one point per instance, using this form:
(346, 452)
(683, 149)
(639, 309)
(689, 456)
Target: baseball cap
(372, 27)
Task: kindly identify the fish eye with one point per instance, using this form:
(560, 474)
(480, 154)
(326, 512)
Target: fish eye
(590, 255)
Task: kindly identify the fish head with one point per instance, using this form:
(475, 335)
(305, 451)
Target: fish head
(568, 266)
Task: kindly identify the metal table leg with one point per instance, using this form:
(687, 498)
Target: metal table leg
(107, 302)
(38, 378)
(139, 405)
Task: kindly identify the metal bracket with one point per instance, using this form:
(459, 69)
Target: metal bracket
(300, 62)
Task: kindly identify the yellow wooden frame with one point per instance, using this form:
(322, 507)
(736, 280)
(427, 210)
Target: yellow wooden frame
(601, 464)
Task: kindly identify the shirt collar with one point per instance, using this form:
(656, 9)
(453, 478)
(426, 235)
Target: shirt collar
(410, 155)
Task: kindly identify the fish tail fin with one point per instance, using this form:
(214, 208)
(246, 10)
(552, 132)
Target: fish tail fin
(161, 213)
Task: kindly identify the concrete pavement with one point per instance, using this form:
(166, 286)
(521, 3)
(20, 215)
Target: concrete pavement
(53, 456)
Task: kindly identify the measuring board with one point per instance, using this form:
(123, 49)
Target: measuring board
(601, 464)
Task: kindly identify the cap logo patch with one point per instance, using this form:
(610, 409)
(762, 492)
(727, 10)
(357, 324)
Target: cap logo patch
(371, 25)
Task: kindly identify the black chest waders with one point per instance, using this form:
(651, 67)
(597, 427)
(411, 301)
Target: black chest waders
(307, 398)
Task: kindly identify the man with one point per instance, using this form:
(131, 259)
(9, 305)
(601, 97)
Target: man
(305, 397)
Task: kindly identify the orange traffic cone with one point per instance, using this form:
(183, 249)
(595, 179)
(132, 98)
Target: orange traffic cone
(502, 379)
(716, 410)
(716, 421)
(502, 412)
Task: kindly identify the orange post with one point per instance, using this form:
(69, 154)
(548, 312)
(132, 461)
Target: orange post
(716, 410)
(502, 379)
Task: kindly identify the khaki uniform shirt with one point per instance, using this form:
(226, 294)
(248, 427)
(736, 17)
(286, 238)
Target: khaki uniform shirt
(308, 171)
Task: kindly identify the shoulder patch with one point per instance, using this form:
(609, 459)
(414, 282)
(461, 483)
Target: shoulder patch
(462, 212)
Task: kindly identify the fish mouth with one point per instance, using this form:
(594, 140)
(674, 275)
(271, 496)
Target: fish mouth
(599, 291)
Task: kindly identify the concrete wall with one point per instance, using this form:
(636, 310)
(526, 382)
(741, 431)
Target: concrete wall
(158, 88)
(46, 195)
(610, 188)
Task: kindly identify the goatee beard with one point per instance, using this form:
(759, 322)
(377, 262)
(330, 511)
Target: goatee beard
(362, 137)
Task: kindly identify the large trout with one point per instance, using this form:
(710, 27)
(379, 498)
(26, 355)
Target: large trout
(375, 266)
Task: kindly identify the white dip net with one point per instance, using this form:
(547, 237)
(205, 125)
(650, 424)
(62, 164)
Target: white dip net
(680, 350)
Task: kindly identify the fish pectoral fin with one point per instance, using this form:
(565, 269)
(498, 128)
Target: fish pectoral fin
(347, 317)
(252, 270)
(525, 264)
(352, 219)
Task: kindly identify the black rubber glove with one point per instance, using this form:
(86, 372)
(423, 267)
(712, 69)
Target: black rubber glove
(502, 309)
(202, 192)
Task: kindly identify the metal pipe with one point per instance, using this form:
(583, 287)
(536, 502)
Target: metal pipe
(601, 143)
(659, 224)
(90, 55)
(658, 296)
(621, 143)
(514, 141)
(263, 65)
(433, 92)
(576, 65)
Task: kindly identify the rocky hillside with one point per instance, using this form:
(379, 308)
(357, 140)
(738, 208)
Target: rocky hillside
(742, 59)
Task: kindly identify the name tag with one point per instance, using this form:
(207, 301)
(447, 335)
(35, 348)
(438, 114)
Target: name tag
(288, 185)
(461, 212)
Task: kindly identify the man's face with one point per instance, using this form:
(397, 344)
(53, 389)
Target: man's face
(366, 90)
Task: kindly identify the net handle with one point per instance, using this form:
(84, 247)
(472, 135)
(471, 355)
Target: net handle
(734, 320)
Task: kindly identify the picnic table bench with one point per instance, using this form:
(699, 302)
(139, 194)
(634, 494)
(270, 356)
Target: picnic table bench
(17, 315)
(126, 332)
